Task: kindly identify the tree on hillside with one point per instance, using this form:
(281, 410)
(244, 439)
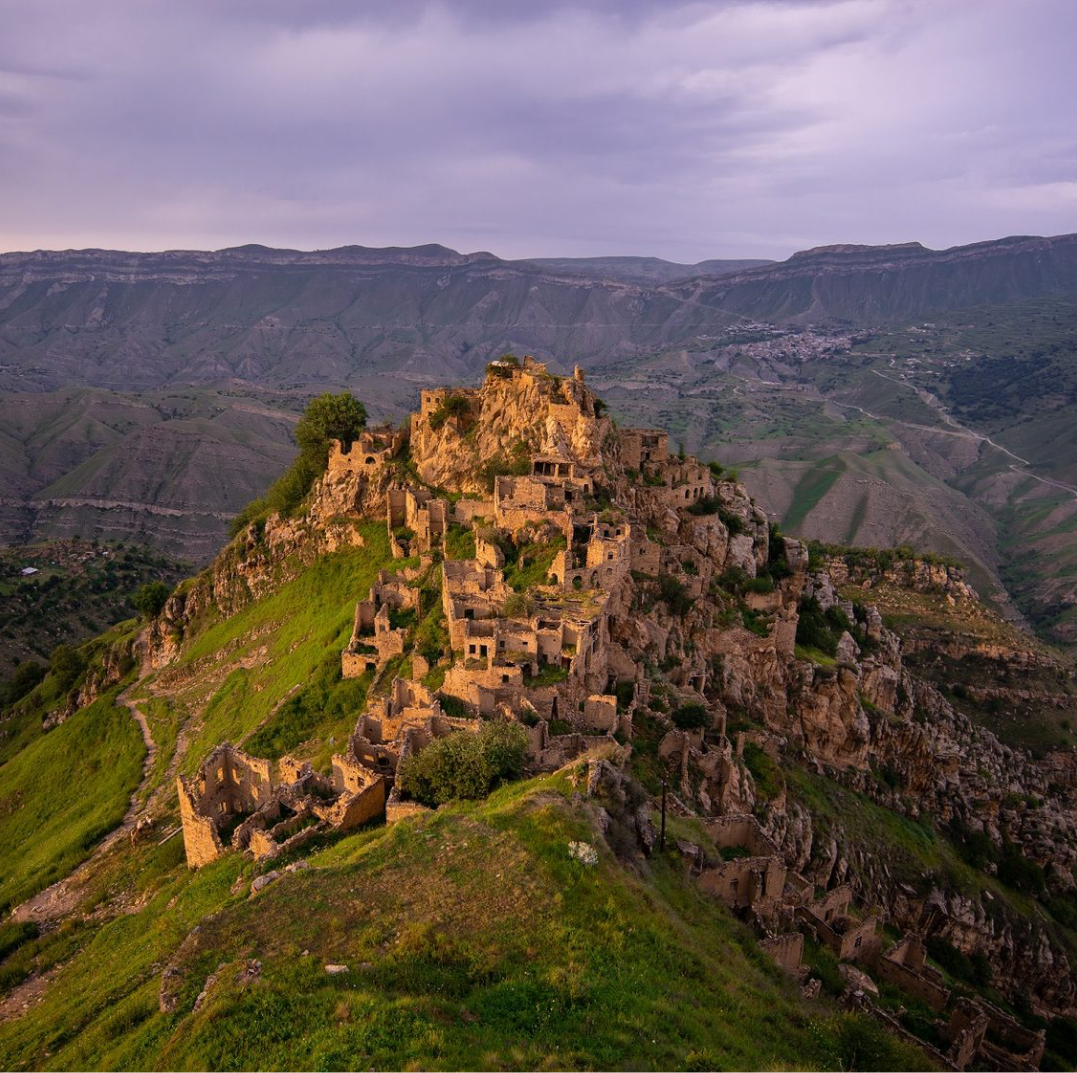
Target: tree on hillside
(67, 664)
(465, 765)
(151, 598)
(329, 417)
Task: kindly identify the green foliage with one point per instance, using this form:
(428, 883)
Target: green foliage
(768, 777)
(975, 970)
(324, 698)
(864, 1044)
(731, 521)
(301, 629)
(14, 933)
(255, 510)
(454, 406)
(674, 594)
(503, 367)
(755, 621)
(531, 565)
(329, 417)
(62, 793)
(550, 675)
(26, 676)
(519, 605)
(516, 464)
(287, 492)
(151, 598)
(705, 505)
(814, 628)
(691, 717)
(1062, 1041)
(459, 542)
(67, 665)
(464, 765)
(1020, 873)
(825, 966)
(554, 964)
(431, 638)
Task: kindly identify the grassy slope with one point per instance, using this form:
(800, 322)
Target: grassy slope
(472, 940)
(62, 793)
(265, 661)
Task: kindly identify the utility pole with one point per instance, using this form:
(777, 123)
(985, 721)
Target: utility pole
(662, 840)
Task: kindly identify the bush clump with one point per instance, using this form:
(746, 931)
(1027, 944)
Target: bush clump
(691, 717)
(452, 406)
(463, 765)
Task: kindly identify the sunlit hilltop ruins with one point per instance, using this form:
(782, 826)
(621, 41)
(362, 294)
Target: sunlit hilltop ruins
(618, 599)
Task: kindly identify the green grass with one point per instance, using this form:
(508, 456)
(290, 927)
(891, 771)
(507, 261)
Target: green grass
(62, 793)
(473, 941)
(285, 685)
(810, 490)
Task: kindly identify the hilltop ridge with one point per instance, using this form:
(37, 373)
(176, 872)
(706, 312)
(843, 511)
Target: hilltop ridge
(510, 562)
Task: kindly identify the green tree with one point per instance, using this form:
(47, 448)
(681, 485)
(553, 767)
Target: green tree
(329, 417)
(151, 598)
(66, 664)
(26, 676)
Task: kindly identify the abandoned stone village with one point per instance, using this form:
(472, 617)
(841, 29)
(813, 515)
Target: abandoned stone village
(595, 584)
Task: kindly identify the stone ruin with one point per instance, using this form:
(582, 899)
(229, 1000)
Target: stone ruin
(242, 802)
(564, 658)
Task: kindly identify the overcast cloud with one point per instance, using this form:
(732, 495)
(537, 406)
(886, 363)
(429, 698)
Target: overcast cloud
(685, 131)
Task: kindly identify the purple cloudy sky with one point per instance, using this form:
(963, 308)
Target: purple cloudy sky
(694, 130)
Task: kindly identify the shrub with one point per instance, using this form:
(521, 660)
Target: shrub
(26, 676)
(731, 521)
(452, 406)
(1017, 871)
(327, 417)
(691, 716)
(253, 511)
(674, 595)
(705, 505)
(814, 630)
(289, 490)
(67, 665)
(517, 465)
(464, 765)
(975, 971)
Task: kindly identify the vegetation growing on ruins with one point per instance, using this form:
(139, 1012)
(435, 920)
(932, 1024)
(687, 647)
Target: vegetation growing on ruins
(546, 629)
(327, 417)
(464, 766)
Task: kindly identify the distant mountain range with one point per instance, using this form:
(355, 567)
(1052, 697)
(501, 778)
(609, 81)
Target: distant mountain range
(644, 270)
(146, 320)
(147, 396)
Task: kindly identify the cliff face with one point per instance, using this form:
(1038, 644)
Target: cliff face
(108, 318)
(666, 594)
